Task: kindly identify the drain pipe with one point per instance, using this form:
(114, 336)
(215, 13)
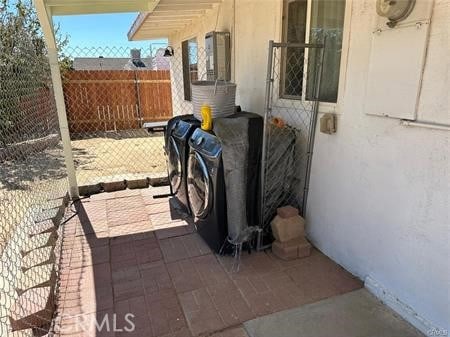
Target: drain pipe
(312, 132)
(426, 125)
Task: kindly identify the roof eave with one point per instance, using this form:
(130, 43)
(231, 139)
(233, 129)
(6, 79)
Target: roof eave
(168, 17)
(77, 7)
(136, 25)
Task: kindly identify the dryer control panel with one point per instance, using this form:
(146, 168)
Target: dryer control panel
(206, 143)
(181, 129)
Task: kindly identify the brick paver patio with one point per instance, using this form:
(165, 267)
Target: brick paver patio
(128, 253)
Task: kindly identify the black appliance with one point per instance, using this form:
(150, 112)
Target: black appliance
(206, 184)
(206, 188)
(253, 188)
(171, 125)
(179, 130)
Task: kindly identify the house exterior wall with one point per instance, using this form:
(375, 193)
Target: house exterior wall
(379, 194)
(379, 191)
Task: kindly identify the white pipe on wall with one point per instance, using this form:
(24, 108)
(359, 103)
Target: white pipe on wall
(47, 28)
(426, 125)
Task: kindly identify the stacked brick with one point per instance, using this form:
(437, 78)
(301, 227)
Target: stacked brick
(288, 228)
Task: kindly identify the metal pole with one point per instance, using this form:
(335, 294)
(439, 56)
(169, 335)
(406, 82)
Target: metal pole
(267, 112)
(297, 45)
(49, 36)
(312, 126)
(138, 98)
(63, 125)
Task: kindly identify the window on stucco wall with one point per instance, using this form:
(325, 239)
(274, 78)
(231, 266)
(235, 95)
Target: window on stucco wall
(189, 50)
(326, 22)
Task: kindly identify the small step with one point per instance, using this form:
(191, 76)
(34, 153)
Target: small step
(34, 308)
(114, 186)
(42, 227)
(37, 277)
(39, 241)
(159, 181)
(38, 257)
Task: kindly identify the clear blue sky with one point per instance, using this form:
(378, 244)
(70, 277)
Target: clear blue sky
(104, 30)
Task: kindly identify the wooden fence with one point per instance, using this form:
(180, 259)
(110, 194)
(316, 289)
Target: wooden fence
(102, 100)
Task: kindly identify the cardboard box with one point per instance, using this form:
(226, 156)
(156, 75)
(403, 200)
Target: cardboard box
(287, 212)
(288, 229)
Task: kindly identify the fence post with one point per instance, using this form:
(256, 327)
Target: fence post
(138, 98)
(49, 36)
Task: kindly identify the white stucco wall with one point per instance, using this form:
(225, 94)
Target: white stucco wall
(257, 22)
(379, 197)
(220, 18)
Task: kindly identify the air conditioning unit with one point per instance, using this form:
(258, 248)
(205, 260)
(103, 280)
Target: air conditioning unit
(218, 56)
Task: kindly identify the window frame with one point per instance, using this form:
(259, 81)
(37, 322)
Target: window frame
(284, 23)
(324, 107)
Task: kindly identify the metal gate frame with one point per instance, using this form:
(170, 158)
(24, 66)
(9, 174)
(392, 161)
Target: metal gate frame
(299, 117)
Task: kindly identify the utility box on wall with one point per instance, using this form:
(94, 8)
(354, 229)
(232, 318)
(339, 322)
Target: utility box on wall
(396, 64)
(218, 56)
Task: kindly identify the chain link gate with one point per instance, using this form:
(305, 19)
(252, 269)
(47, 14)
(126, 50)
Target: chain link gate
(292, 91)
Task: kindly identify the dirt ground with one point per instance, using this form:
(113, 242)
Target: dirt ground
(110, 159)
(29, 183)
(40, 177)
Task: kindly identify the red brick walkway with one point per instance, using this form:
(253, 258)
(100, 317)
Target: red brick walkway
(128, 253)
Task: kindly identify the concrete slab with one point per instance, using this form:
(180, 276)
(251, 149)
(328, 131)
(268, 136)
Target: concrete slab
(355, 314)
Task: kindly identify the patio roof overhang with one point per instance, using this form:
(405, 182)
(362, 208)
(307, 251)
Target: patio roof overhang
(77, 7)
(168, 17)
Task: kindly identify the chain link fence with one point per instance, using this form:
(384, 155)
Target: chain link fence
(291, 111)
(33, 189)
(111, 96)
(117, 102)
(187, 65)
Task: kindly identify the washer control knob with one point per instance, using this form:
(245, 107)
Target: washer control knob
(199, 140)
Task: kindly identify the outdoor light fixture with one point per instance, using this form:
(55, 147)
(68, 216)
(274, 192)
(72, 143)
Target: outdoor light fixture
(168, 52)
(395, 11)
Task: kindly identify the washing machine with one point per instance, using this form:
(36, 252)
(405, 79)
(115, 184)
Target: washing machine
(171, 123)
(179, 130)
(206, 188)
